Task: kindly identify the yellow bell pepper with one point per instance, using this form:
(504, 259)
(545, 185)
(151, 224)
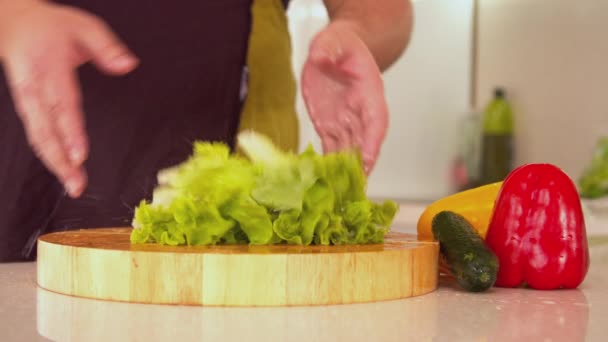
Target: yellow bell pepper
(476, 205)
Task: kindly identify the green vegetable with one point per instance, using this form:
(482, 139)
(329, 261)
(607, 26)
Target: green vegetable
(471, 262)
(267, 197)
(593, 183)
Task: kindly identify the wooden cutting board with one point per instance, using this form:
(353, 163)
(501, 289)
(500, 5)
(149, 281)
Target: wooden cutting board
(102, 264)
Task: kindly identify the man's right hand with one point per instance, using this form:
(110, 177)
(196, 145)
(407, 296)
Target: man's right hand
(41, 45)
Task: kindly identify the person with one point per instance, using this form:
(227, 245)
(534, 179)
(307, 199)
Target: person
(97, 96)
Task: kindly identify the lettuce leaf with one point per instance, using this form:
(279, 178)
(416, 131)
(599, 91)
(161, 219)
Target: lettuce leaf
(283, 178)
(593, 182)
(267, 197)
(253, 220)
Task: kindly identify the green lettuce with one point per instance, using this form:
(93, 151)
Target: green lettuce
(266, 197)
(593, 182)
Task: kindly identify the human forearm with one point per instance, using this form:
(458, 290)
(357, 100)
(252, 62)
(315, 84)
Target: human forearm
(9, 10)
(384, 25)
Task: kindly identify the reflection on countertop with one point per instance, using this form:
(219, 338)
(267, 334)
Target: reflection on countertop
(448, 314)
(29, 313)
(57, 315)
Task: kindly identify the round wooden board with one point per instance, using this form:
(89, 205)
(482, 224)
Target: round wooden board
(103, 264)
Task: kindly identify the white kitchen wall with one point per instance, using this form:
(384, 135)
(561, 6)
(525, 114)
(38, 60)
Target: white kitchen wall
(550, 55)
(428, 93)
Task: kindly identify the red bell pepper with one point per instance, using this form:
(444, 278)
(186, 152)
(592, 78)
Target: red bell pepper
(537, 230)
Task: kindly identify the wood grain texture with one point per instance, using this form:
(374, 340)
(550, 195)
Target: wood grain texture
(102, 264)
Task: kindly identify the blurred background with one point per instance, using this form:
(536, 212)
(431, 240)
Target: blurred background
(531, 71)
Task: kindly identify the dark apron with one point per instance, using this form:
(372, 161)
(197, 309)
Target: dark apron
(187, 87)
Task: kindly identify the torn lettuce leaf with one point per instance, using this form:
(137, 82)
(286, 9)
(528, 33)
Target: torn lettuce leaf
(268, 197)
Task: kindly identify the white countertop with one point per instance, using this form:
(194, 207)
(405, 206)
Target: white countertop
(28, 313)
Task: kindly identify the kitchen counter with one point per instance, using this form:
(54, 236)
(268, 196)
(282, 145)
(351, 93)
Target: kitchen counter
(28, 313)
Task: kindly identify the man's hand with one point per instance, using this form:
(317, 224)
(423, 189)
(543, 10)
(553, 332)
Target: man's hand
(344, 93)
(41, 45)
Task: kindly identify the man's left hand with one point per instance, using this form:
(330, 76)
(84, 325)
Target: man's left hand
(344, 93)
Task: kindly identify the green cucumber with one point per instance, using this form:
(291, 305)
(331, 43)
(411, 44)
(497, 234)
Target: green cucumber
(471, 261)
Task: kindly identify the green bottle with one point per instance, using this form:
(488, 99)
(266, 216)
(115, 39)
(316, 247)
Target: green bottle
(497, 140)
